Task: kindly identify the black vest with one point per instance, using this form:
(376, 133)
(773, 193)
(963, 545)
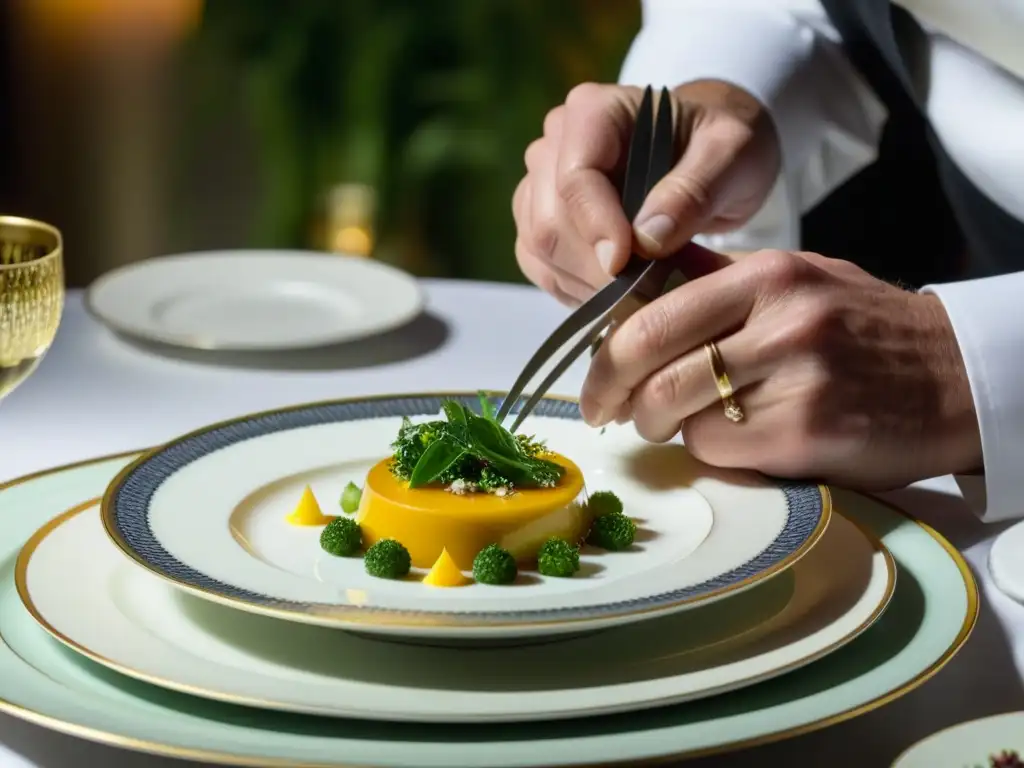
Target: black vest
(886, 45)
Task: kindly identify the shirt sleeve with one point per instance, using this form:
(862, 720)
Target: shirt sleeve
(786, 54)
(986, 320)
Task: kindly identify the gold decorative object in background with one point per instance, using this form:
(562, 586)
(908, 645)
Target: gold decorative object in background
(349, 217)
(31, 296)
(428, 104)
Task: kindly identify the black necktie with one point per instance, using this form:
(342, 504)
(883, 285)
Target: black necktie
(885, 43)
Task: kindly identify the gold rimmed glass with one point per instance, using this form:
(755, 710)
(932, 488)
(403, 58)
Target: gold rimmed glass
(31, 296)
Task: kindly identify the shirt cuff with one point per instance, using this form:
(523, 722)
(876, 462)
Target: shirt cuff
(985, 317)
(764, 51)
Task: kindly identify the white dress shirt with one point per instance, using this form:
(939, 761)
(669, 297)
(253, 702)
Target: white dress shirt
(787, 54)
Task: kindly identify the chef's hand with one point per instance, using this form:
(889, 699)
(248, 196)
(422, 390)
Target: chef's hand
(572, 233)
(840, 377)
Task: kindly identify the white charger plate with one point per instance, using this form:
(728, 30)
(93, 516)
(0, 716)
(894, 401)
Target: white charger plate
(931, 616)
(254, 300)
(969, 744)
(1006, 562)
(207, 512)
(88, 596)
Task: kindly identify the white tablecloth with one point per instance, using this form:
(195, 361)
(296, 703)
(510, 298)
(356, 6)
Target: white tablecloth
(95, 394)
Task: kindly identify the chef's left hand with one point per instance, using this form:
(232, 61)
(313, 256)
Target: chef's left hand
(841, 377)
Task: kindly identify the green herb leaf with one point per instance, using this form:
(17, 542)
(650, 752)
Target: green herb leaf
(486, 406)
(455, 412)
(470, 447)
(490, 436)
(439, 456)
(494, 444)
(518, 472)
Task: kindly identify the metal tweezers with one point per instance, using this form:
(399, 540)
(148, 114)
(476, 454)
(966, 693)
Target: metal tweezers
(652, 153)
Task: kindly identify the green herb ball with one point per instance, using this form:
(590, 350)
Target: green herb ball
(494, 565)
(612, 532)
(350, 498)
(558, 557)
(342, 537)
(387, 559)
(604, 503)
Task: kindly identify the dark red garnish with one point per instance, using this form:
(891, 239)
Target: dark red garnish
(1006, 759)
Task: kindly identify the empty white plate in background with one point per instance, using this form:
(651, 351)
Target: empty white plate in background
(254, 300)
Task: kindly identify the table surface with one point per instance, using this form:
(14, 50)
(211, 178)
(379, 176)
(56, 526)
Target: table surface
(93, 395)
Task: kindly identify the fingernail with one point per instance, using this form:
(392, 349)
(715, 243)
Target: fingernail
(653, 232)
(605, 250)
(594, 416)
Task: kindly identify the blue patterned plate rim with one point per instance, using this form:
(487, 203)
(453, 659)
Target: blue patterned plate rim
(125, 508)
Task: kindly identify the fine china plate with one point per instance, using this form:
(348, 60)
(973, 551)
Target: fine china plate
(207, 511)
(931, 615)
(254, 300)
(86, 594)
(975, 743)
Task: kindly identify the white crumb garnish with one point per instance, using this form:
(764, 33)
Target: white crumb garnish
(462, 486)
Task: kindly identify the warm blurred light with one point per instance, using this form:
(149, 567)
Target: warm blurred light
(351, 209)
(94, 78)
(105, 20)
(355, 240)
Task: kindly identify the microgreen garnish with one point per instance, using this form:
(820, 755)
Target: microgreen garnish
(470, 452)
(437, 459)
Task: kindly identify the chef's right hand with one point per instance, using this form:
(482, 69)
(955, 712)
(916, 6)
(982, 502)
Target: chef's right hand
(572, 233)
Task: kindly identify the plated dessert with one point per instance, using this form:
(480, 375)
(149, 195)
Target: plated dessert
(420, 516)
(463, 494)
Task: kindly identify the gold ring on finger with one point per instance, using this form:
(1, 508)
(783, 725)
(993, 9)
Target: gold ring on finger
(733, 412)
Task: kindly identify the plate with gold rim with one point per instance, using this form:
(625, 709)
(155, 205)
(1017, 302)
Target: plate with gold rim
(932, 613)
(85, 594)
(208, 512)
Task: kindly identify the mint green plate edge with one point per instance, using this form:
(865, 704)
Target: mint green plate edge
(175, 725)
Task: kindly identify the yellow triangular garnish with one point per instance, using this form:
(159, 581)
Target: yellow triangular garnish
(445, 573)
(307, 511)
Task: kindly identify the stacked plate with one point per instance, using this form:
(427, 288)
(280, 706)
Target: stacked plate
(186, 616)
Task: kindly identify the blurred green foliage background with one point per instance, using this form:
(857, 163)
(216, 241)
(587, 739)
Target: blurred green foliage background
(429, 102)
